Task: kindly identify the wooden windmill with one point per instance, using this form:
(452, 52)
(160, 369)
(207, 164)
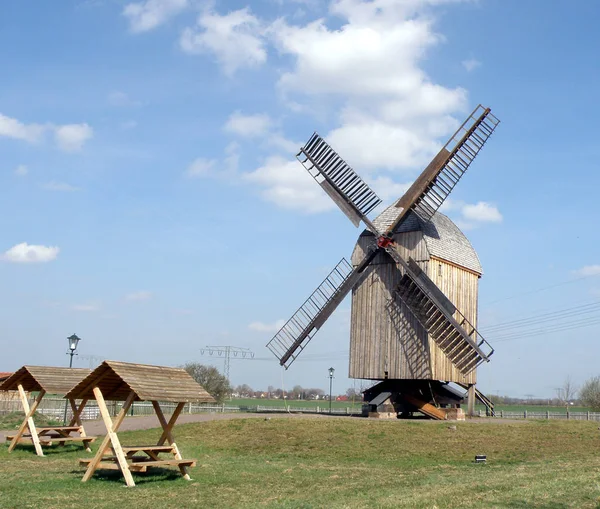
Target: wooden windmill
(413, 278)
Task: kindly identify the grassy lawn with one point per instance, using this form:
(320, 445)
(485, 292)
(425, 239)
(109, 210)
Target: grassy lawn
(334, 463)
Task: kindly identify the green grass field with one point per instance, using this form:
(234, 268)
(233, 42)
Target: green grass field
(333, 463)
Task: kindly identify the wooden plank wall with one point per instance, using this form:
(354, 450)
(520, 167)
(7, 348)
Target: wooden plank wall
(386, 341)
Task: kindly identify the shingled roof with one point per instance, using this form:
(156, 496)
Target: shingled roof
(443, 238)
(51, 379)
(117, 379)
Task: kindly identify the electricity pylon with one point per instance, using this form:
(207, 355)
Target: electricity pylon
(226, 352)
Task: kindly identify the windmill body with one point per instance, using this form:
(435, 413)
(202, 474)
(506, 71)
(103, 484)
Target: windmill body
(386, 339)
(414, 282)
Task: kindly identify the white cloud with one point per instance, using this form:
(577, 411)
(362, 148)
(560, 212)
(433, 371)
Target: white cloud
(248, 126)
(588, 270)
(201, 167)
(71, 137)
(13, 128)
(149, 14)
(236, 39)
(121, 99)
(86, 307)
(471, 215)
(288, 185)
(481, 212)
(139, 296)
(266, 327)
(30, 253)
(471, 64)
(21, 170)
(392, 114)
(387, 189)
(59, 186)
(68, 137)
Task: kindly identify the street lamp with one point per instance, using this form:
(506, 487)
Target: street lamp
(331, 372)
(73, 342)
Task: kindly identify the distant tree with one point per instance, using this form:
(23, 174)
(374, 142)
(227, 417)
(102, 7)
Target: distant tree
(352, 393)
(244, 391)
(590, 393)
(569, 389)
(297, 392)
(211, 379)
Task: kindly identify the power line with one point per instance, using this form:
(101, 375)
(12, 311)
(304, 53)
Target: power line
(544, 317)
(537, 290)
(558, 328)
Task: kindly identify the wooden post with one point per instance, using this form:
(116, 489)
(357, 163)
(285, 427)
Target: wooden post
(471, 400)
(28, 421)
(167, 435)
(76, 419)
(111, 438)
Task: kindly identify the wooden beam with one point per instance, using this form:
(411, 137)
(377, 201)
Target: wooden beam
(111, 438)
(167, 435)
(76, 419)
(424, 407)
(28, 421)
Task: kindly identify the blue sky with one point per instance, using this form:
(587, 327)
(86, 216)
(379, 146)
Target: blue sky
(151, 202)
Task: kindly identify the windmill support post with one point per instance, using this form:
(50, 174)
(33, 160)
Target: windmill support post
(471, 400)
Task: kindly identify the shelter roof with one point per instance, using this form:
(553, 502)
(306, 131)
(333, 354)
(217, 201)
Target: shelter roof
(4, 375)
(51, 379)
(443, 238)
(149, 383)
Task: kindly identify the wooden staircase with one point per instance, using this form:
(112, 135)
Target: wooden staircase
(452, 332)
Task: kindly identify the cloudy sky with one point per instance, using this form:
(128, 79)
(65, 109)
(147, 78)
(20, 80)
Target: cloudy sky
(151, 202)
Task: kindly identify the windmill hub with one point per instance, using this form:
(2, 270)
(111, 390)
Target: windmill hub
(414, 305)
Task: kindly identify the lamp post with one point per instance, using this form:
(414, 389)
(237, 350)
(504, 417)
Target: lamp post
(331, 372)
(73, 342)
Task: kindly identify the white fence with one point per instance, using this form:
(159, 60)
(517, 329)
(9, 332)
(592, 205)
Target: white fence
(54, 408)
(527, 414)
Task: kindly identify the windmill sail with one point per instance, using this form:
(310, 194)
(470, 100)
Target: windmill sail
(297, 332)
(433, 186)
(456, 337)
(351, 194)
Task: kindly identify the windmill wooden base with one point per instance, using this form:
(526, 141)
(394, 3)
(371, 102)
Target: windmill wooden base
(403, 398)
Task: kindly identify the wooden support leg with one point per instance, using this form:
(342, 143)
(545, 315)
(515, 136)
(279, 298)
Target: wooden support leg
(471, 400)
(28, 421)
(111, 438)
(167, 435)
(76, 420)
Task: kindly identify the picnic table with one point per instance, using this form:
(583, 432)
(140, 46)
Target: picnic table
(129, 382)
(44, 380)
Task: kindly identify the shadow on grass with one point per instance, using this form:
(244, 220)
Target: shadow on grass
(50, 450)
(154, 474)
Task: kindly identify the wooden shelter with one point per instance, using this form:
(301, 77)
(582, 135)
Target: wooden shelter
(47, 380)
(121, 381)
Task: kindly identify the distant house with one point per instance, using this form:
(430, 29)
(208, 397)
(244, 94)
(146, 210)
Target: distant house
(342, 398)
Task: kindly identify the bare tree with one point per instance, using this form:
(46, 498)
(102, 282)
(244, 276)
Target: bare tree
(568, 390)
(590, 393)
